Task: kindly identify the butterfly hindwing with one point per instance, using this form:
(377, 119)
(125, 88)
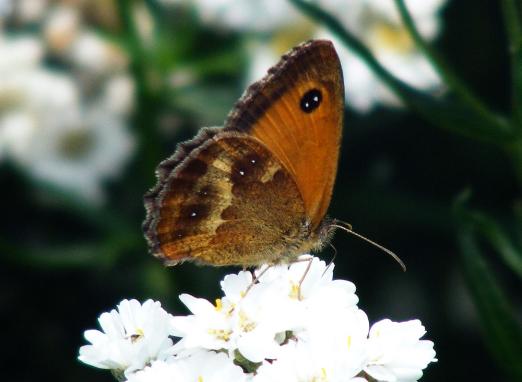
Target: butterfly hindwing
(228, 202)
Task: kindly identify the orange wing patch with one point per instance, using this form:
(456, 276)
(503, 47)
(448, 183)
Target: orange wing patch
(305, 141)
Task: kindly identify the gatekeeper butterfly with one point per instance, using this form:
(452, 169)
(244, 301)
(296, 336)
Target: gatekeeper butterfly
(257, 190)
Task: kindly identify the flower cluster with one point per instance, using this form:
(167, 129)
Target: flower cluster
(275, 26)
(286, 323)
(65, 97)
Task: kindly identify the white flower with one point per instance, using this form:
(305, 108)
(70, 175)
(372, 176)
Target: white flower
(69, 147)
(244, 15)
(208, 327)
(78, 154)
(249, 325)
(298, 362)
(291, 323)
(18, 54)
(254, 321)
(118, 95)
(61, 28)
(203, 366)
(29, 11)
(49, 132)
(376, 22)
(31, 97)
(396, 352)
(94, 55)
(132, 337)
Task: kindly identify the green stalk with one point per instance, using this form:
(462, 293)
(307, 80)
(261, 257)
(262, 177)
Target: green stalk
(502, 333)
(491, 230)
(146, 98)
(511, 10)
(445, 72)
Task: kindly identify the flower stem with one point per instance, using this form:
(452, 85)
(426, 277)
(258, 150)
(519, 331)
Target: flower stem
(498, 239)
(502, 331)
(147, 100)
(511, 10)
(443, 69)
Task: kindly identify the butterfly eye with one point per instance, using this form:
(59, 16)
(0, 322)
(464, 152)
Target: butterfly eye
(311, 100)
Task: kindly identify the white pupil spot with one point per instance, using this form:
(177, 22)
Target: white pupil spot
(241, 172)
(253, 161)
(193, 214)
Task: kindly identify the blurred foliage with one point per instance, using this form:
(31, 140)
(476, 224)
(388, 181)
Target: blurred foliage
(63, 262)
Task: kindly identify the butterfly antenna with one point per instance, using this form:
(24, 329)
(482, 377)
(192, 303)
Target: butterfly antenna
(348, 228)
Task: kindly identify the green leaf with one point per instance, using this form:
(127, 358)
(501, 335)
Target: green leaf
(511, 256)
(502, 331)
(512, 12)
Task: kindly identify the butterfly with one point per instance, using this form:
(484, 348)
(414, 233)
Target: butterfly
(256, 190)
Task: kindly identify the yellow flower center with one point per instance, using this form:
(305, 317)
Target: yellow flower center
(394, 38)
(137, 336)
(220, 334)
(294, 291)
(245, 323)
(75, 144)
(321, 378)
(219, 305)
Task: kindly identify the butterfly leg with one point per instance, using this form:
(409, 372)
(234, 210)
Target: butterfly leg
(255, 278)
(299, 296)
(332, 260)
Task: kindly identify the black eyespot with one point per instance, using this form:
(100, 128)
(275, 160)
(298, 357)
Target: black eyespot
(311, 100)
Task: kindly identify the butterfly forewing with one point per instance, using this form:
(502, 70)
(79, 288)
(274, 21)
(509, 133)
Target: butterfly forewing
(305, 137)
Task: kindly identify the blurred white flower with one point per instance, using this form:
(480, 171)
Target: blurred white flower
(202, 366)
(396, 352)
(244, 15)
(18, 53)
(376, 22)
(144, 23)
(30, 96)
(61, 28)
(52, 137)
(66, 126)
(29, 11)
(118, 95)
(277, 332)
(131, 337)
(77, 154)
(95, 55)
